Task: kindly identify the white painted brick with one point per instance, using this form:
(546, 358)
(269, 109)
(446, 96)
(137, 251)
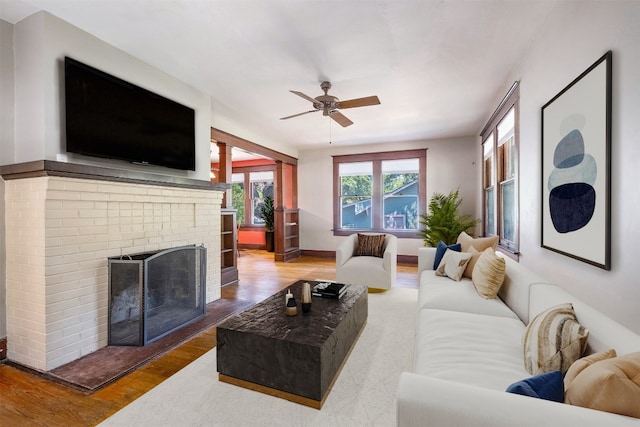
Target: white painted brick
(72, 258)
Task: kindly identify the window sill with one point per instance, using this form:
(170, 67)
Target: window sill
(403, 234)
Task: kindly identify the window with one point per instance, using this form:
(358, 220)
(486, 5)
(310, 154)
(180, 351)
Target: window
(237, 193)
(500, 172)
(259, 181)
(383, 192)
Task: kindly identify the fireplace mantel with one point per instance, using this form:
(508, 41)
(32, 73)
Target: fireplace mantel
(73, 170)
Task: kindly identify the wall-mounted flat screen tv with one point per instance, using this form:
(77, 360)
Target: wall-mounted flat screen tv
(110, 118)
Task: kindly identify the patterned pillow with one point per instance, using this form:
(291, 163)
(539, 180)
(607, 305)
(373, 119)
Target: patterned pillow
(468, 244)
(611, 385)
(370, 245)
(553, 340)
(453, 264)
(441, 249)
(488, 274)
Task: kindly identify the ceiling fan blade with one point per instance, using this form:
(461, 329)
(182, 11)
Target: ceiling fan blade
(299, 114)
(359, 102)
(341, 119)
(302, 95)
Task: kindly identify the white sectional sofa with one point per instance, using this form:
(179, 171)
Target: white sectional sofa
(468, 350)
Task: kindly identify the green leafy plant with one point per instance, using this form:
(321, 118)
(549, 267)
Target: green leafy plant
(267, 213)
(444, 221)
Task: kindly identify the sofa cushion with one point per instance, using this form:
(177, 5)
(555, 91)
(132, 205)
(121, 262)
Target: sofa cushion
(488, 274)
(469, 348)
(478, 244)
(554, 340)
(442, 293)
(370, 245)
(584, 362)
(548, 386)
(453, 264)
(611, 385)
(441, 249)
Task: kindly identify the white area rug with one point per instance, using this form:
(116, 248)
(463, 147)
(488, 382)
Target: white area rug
(363, 395)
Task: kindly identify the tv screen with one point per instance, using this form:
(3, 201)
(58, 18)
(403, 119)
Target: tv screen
(110, 118)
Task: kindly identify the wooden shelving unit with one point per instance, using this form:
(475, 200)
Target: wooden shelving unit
(291, 237)
(228, 247)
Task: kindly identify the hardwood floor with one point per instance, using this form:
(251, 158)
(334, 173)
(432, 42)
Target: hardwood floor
(29, 400)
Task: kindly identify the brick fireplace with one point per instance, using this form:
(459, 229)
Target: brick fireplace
(63, 222)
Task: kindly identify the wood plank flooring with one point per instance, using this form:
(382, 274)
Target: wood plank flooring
(29, 400)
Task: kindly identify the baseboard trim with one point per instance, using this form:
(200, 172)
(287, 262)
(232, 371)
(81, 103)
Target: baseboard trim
(318, 254)
(3, 348)
(402, 259)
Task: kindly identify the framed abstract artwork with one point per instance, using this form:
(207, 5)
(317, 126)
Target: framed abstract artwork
(576, 164)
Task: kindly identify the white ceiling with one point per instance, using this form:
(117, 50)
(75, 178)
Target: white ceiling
(438, 67)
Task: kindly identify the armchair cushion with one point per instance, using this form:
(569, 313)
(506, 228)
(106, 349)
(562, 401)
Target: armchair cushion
(370, 245)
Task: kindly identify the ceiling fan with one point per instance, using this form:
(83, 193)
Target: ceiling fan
(329, 105)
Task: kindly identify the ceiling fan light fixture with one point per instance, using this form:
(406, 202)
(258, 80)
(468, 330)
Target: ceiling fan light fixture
(329, 104)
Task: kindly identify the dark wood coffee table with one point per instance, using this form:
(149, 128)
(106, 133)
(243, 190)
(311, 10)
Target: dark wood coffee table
(297, 358)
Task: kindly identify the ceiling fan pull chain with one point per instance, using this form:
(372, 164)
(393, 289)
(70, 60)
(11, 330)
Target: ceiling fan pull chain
(329, 128)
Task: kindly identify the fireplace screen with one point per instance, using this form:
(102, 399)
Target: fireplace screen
(154, 293)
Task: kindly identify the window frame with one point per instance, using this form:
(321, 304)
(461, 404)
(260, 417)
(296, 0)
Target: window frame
(246, 171)
(377, 191)
(497, 174)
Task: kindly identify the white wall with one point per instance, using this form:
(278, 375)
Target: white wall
(575, 36)
(6, 147)
(41, 43)
(451, 163)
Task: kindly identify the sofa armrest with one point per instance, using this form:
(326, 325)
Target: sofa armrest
(345, 249)
(426, 258)
(427, 401)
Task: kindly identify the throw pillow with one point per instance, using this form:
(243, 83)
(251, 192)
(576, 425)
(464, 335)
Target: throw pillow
(488, 274)
(584, 362)
(611, 385)
(453, 264)
(370, 245)
(441, 249)
(548, 386)
(553, 340)
(468, 243)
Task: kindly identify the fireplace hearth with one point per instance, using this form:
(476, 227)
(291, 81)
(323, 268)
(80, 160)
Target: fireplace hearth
(152, 294)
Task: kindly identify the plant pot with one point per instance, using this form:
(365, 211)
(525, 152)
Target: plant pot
(268, 237)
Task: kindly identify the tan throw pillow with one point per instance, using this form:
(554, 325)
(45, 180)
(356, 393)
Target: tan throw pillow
(488, 274)
(453, 264)
(468, 243)
(584, 362)
(553, 340)
(611, 385)
(370, 245)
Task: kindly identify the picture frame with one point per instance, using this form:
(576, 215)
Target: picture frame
(576, 168)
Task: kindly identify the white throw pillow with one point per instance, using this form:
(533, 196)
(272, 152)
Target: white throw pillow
(453, 264)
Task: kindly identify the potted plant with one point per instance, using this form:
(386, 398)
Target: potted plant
(267, 214)
(444, 221)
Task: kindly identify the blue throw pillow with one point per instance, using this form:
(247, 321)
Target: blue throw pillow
(441, 249)
(549, 386)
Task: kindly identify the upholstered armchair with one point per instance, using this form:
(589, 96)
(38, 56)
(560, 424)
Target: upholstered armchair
(377, 273)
